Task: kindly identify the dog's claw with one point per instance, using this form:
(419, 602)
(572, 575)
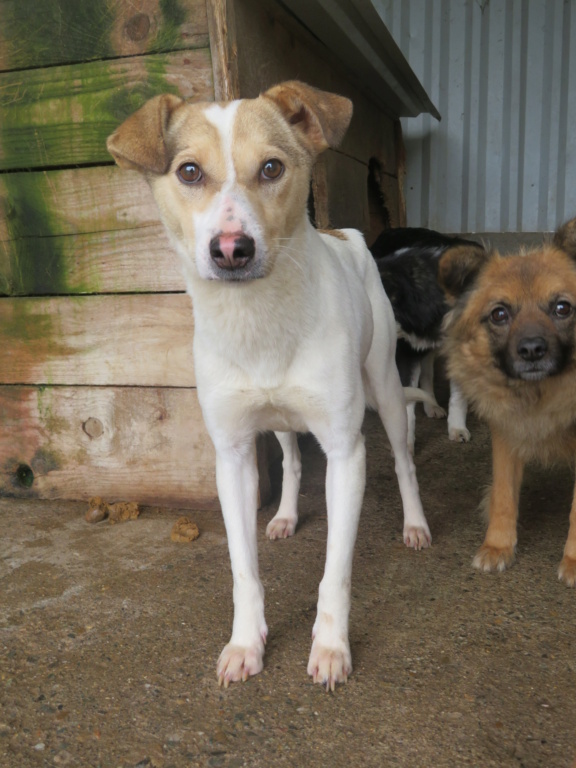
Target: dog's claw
(490, 559)
(329, 666)
(459, 435)
(280, 528)
(417, 537)
(434, 411)
(237, 663)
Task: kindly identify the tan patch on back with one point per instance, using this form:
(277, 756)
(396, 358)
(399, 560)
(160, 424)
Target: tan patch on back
(334, 233)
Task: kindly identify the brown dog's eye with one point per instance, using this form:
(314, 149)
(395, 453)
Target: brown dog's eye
(272, 170)
(189, 173)
(563, 309)
(499, 315)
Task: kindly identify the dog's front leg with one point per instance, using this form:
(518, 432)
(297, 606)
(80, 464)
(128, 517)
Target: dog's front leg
(457, 410)
(567, 568)
(330, 660)
(427, 383)
(497, 551)
(237, 481)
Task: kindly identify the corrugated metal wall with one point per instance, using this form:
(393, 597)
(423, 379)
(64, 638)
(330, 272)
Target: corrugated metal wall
(503, 76)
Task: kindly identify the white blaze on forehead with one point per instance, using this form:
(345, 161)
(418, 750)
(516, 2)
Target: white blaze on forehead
(222, 118)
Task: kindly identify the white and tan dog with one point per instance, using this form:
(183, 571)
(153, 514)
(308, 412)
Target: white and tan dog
(293, 332)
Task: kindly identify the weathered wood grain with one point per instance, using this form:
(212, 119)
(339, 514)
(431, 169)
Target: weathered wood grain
(347, 185)
(144, 445)
(274, 46)
(89, 230)
(61, 116)
(224, 49)
(34, 34)
(128, 340)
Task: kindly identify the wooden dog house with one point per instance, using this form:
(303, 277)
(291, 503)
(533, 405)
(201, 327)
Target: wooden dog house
(96, 379)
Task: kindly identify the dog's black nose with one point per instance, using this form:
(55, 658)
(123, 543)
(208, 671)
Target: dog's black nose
(532, 348)
(232, 251)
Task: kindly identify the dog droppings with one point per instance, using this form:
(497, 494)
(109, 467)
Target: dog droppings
(123, 511)
(99, 510)
(184, 530)
(95, 515)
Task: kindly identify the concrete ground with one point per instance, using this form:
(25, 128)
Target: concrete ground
(109, 635)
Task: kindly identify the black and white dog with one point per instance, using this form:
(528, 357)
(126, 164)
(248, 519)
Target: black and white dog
(408, 260)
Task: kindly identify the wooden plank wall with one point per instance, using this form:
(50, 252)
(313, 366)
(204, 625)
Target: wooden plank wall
(276, 47)
(96, 379)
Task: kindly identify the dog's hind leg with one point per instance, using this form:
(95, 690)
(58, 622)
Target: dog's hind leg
(283, 524)
(387, 391)
(457, 409)
(427, 384)
(384, 391)
(237, 481)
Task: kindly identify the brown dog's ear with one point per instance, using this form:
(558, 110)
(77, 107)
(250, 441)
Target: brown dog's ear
(459, 266)
(321, 117)
(565, 238)
(139, 143)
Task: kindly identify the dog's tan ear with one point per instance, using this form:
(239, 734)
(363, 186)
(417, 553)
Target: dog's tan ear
(459, 266)
(565, 238)
(139, 143)
(322, 118)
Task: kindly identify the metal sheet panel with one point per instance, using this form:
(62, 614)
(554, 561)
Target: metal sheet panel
(501, 72)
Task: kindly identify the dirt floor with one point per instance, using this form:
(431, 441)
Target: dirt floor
(109, 635)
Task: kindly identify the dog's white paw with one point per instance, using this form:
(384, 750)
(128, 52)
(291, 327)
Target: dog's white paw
(329, 666)
(239, 663)
(281, 527)
(459, 435)
(434, 411)
(417, 536)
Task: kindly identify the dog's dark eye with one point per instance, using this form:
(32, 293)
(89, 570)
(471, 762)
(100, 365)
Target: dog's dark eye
(272, 170)
(189, 173)
(563, 309)
(499, 315)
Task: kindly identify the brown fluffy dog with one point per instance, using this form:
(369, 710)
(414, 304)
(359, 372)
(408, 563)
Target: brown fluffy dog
(511, 346)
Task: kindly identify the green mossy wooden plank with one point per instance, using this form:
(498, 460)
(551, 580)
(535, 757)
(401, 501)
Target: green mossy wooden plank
(37, 34)
(147, 445)
(88, 230)
(118, 340)
(61, 116)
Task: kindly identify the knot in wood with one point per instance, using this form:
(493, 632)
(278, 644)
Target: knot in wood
(93, 428)
(137, 27)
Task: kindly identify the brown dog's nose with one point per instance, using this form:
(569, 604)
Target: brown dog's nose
(532, 348)
(232, 251)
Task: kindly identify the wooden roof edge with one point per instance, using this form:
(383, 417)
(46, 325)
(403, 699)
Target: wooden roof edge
(354, 31)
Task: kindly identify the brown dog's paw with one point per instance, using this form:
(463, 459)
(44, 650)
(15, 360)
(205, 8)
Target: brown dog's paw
(567, 571)
(493, 558)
